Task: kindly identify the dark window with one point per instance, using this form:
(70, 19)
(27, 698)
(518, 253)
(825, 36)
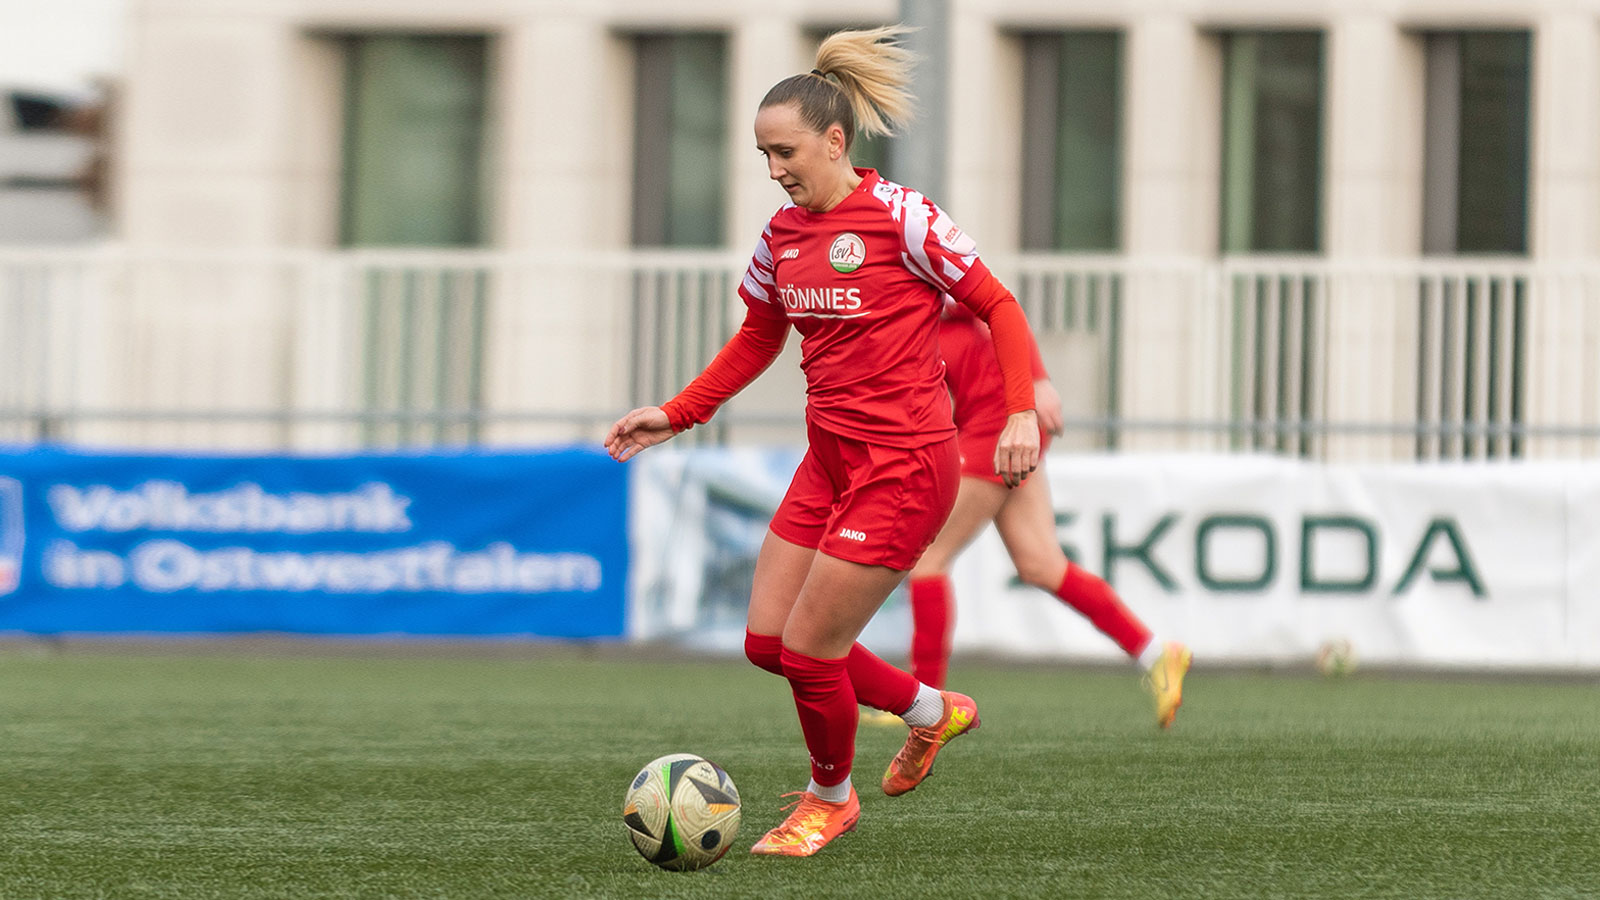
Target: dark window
(1272, 142)
(680, 140)
(1476, 182)
(1072, 141)
(413, 143)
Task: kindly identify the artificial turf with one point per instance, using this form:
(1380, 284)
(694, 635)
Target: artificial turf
(247, 774)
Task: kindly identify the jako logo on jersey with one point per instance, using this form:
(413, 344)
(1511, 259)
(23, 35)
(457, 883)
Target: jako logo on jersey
(848, 252)
(10, 535)
(803, 299)
(791, 253)
(853, 534)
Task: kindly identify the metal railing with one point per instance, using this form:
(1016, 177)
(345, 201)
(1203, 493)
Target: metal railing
(1413, 359)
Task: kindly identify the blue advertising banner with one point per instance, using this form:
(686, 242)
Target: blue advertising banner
(466, 543)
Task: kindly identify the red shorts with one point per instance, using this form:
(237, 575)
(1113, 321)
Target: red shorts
(867, 503)
(978, 441)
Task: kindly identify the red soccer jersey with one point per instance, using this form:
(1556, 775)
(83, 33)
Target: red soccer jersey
(862, 283)
(971, 371)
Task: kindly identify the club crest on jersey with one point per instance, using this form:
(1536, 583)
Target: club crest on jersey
(848, 252)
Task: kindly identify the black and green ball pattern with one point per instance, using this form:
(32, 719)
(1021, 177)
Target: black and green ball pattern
(682, 812)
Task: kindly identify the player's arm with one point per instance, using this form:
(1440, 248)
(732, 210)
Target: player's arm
(941, 254)
(1047, 405)
(747, 354)
(1017, 452)
(1046, 400)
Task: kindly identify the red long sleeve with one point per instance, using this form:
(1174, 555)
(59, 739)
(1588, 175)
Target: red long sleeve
(983, 293)
(747, 354)
(956, 311)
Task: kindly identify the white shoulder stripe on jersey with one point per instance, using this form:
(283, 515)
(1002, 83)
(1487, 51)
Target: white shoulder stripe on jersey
(888, 193)
(916, 268)
(758, 278)
(756, 289)
(914, 213)
(914, 231)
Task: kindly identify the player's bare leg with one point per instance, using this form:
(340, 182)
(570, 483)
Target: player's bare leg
(781, 570)
(833, 604)
(932, 601)
(1026, 521)
(977, 503)
(1027, 526)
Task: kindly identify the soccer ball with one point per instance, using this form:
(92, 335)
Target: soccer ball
(1336, 658)
(682, 812)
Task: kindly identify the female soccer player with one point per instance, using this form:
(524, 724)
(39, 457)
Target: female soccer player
(857, 265)
(1025, 518)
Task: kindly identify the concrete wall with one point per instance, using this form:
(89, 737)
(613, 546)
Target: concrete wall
(233, 109)
(230, 139)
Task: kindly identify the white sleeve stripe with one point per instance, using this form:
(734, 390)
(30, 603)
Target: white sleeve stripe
(952, 272)
(758, 279)
(914, 229)
(756, 289)
(916, 269)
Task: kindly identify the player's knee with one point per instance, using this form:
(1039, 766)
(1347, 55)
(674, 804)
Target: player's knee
(1040, 573)
(932, 564)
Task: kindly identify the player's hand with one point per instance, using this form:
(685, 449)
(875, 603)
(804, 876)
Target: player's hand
(1047, 403)
(1016, 455)
(644, 427)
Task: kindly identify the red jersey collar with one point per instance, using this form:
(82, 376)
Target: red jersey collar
(869, 180)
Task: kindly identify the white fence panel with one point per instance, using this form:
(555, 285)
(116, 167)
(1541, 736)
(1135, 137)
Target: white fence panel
(1395, 359)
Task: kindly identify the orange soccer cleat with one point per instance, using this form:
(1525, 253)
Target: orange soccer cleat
(1165, 682)
(812, 824)
(915, 759)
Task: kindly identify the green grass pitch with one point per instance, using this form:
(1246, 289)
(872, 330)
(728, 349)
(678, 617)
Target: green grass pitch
(431, 774)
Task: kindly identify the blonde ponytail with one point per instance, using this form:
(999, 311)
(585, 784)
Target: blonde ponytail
(861, 82)
(874, 71)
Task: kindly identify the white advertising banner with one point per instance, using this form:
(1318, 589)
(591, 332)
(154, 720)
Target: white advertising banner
(1252, 559)
(1583, 565)
(1247, 559)
(696, 522)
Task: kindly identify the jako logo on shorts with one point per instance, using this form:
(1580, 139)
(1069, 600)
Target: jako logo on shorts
(10, 535)
(852, 534)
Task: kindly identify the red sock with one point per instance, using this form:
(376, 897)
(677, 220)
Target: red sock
(931, 613)
(827, 706)
(765, 650)
(1087, 593)
(878, 684)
